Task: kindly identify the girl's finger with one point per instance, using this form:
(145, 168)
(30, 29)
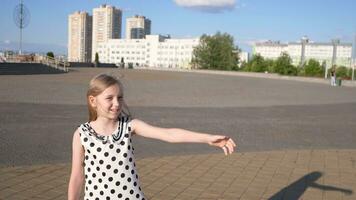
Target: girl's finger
(230, 147)
(232, 141)
(225, 150)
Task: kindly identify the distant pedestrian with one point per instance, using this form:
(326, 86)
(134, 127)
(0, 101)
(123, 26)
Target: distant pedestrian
(333, 78)
(102, 150)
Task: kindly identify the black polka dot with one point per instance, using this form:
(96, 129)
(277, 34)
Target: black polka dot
(92, 144)
(127, 199)
(135, 184)
(122, 143)
(89, 182)
(91, 194)
(88, 169)
(132, 171)
(126, 135)
(101, 193)
(86, 157)
(117, 183)
(92, 162)
(122, 175)
(121, 163)
(116, 171)
(88, 151)
(97, 168)
(101, 162)
(125, 155)
(106, 186)
(119, 195)
(98, 149)
(113, 158)
(131, 191)
(129, 179)
(127, 167)
(110, 179)
(94, 175)
(106, 154)
(95, 187)
(97, 198)
(124, 188)
(107, 198)
(104, 174)
(129, 147)
(111, 146)
(108, 166)
(112, 191)
(137, 195)
(100, 180)
(118, 150)
(130, 160)
(94, 156)
(85, 139)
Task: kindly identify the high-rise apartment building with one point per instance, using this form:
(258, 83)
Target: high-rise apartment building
(332, 53)
(107, 23)
(137, 27)
(79, 37)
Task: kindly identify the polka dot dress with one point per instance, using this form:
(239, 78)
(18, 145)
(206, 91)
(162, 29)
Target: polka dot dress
(110, 169)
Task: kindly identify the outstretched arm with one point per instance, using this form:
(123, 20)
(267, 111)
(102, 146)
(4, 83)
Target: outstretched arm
(176, 135)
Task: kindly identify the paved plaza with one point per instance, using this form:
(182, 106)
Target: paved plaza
(296, 140)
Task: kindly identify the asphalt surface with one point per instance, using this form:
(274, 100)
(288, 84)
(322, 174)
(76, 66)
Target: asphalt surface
(41, 112)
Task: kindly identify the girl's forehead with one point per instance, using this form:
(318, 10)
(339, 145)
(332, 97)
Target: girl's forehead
(112, 90)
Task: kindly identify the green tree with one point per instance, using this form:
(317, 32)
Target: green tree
(96, 60)
(96, 57)
(283, 65)
(216, 52)
(313, 68)
(257, 64)
(50, 54)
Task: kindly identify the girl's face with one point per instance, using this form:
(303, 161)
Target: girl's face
(108, 104)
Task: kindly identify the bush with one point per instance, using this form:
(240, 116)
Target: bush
(343, 72)
(313, 68)
(130, 65)
(283, 65)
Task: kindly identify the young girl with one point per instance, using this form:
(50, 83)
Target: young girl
(102, 148)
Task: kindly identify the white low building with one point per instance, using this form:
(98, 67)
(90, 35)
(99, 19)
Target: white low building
(153, 51)
(333, 53)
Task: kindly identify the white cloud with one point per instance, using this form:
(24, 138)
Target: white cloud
(7, 41)
(208, 5)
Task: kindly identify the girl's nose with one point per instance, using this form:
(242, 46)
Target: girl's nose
(116, 102)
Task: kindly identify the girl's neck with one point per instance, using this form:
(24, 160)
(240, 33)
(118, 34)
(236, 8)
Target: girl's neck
(104, 126)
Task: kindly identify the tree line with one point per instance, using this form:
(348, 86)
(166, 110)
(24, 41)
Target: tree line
(218, 52)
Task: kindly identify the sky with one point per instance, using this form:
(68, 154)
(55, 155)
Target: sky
(248, 21)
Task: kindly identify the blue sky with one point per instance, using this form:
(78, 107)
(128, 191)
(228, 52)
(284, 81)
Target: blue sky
(247, 20)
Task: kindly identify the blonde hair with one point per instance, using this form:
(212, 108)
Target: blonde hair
(96, 86)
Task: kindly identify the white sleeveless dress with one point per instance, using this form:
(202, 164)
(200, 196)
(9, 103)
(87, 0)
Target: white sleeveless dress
(109, 164)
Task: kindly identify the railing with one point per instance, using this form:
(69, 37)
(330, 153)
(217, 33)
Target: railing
(55, 63)
(49, 61)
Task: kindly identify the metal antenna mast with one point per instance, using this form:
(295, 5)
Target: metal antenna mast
(22, 19)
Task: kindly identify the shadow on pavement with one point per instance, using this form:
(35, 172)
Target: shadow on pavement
(296, 189)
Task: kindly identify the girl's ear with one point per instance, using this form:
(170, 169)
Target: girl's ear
(92, 101)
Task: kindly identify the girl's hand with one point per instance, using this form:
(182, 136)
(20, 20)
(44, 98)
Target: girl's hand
(224, 142)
